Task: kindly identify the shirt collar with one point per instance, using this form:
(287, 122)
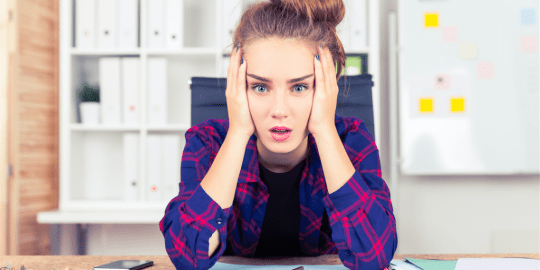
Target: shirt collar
(250, 165)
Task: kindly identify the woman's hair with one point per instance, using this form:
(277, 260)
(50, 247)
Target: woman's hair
(310, 21)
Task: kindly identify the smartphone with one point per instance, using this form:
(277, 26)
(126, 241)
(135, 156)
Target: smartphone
(125, 264)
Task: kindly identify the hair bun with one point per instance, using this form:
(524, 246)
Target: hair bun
(330, 11)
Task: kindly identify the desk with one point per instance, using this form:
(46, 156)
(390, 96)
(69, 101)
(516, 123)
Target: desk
(163, 262)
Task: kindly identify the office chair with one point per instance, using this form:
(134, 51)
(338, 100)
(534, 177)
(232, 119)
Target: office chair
(208, 99)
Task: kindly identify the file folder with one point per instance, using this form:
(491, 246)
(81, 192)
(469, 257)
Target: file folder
(358, 22)
(156, 24)
(154, 173)
(107, 34)
(85, 23)
(131, 166)
(157, 90)
(174, 27)
(110, 94)
(131, 108)
(344, 31)
(232, 12)
(127, 14)
(170, 146)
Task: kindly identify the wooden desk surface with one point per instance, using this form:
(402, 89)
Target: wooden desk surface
(163, 262)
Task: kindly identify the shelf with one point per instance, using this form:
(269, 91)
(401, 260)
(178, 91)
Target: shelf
(101, 217)
(172, 127)
(100, 51)
(87, 127)
(365, 50)
(184, 51)
(92, 156)
(169, 127)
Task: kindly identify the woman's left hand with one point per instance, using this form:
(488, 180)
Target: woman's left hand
(323, 109)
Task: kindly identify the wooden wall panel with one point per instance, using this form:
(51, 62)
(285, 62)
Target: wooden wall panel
(34, 125)
(4, 17)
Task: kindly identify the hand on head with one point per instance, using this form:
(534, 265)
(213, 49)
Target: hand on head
(240, 120)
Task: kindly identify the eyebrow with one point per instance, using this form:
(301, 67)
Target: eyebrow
(289, 81)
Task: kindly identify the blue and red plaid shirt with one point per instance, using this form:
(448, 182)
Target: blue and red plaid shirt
(360, 212)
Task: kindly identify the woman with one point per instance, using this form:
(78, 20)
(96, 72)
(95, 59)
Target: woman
(285, 175)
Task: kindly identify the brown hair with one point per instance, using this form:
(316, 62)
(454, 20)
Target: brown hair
(311, 21)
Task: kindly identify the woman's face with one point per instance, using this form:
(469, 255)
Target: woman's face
(280, 79)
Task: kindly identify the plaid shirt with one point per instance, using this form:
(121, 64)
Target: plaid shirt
(360, 212)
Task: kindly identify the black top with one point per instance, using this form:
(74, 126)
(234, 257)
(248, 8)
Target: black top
(280, 232)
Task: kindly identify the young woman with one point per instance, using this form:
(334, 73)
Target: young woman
(285, 175)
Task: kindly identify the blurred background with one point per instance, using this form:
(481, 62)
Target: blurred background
(95, 101)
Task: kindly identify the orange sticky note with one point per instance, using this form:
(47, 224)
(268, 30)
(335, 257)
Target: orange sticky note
(426, 105)
(431, 19)
(457, 105)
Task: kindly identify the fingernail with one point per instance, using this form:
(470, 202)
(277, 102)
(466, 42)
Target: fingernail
(242, 61)
(317, 56)
(237, 47)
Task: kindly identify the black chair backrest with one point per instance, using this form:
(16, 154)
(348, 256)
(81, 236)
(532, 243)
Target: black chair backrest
(354, 99)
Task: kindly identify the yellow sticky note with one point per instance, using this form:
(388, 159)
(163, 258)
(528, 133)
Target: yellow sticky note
(457, 105)
(431, 19)
(426, 105)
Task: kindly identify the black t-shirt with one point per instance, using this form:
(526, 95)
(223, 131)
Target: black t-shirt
(280, 232)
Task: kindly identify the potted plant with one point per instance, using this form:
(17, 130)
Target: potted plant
(89, 104)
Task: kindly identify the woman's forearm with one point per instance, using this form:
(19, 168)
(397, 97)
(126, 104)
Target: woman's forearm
(221, 179)
(337, 166)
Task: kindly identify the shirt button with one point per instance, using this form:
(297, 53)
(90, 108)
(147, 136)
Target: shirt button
(349, 253)
(219, 221)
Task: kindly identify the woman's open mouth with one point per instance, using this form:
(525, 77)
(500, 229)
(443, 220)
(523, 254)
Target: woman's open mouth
(280, 133)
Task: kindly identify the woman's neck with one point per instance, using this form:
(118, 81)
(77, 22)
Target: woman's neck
(282, 162)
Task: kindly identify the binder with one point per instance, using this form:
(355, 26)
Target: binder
(107, 33)
(131, 166)
(156, 24)
(344, 30)
(153, 187)
(110, 95)
(170, 150)
(225, 62)
(127, 14)
(131, 108)
(85, 23)
(358, 21)
(157, 90)
(232, 11)
(174, 26)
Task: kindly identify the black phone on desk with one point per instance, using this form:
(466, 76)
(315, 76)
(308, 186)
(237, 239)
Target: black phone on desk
(125, 264)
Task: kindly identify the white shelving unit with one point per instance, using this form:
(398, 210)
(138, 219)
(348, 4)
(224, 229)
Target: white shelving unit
(91, 156)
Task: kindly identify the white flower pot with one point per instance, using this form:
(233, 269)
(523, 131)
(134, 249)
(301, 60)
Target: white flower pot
(90, 113)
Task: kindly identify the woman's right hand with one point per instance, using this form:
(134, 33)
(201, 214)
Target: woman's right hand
(240, 120)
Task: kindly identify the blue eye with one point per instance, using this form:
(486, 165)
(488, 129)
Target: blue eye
(305, 87)
(301, 85)
(255, 87)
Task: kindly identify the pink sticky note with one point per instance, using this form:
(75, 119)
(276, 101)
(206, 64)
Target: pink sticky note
(442, 82)
(485, 70)
(529, 43)
(449, 33)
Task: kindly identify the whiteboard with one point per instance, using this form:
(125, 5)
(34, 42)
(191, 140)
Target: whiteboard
(468, 87)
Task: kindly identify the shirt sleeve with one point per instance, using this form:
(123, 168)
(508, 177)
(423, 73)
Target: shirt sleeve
(360, 212)
(193, 216)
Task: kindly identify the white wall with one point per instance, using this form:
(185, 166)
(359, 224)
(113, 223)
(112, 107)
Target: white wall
(435, 215)
(459, 214)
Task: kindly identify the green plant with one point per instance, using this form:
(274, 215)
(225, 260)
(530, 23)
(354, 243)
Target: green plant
(89, 93)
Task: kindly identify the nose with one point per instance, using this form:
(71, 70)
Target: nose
(280, 105)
